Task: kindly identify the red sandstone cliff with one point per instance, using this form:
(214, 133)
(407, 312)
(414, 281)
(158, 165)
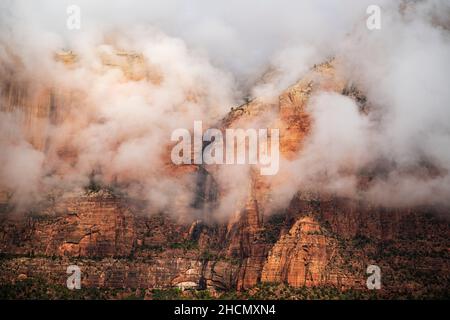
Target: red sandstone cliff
(317, 240)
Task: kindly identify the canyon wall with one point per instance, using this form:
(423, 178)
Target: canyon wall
(317, 240)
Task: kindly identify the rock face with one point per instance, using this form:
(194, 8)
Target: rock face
(96, 225)
(114, 246)
(318, 240)
(304, 256)
(117, 247)
(247, 244)
(101, 226)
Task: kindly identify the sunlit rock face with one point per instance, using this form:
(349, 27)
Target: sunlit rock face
(316, 240)
(303, 257)
(94, 225)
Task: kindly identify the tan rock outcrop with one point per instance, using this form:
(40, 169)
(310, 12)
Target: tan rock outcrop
(303, 257)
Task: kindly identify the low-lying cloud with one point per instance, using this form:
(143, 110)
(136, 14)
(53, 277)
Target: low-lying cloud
(112, 122)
